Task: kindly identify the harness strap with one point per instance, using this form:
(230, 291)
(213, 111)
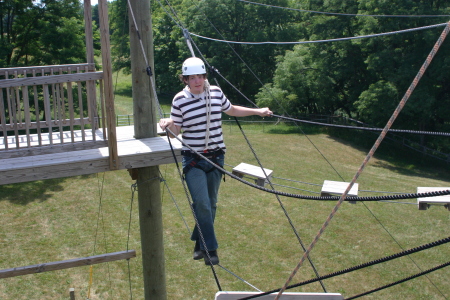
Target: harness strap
(194, 164)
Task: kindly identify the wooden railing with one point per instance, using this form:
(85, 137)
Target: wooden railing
(49, 105)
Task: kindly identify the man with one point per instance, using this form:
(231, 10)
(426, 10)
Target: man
(196, 111)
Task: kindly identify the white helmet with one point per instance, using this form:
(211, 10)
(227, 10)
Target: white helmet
(193, 66)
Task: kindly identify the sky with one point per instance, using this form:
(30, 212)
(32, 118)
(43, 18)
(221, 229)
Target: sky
(94, 2)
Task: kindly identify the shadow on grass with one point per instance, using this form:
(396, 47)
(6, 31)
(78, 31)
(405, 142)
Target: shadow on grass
(125, 91)
(292, 129)
(397, 158)
(36, 191)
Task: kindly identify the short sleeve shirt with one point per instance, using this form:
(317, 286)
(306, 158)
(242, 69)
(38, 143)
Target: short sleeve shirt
(189, 112)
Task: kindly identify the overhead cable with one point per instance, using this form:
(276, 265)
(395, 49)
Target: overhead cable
(322, 41)
(345, 14)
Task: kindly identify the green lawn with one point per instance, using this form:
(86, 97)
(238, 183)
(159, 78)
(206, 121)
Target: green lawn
(58, 219)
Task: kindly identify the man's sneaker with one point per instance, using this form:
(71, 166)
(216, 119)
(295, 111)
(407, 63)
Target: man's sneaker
(213, 256)
(198, 254)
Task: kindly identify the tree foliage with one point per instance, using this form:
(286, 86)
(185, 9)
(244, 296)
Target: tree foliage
(220, 19)
(41, 33)
(366, 78)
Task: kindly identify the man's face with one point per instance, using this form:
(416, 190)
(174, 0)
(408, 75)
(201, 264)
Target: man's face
(196, 83)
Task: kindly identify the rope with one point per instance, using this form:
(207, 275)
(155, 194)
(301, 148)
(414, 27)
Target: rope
(365, 128)
(148, 68)
(321, 41)
(99, 217)
(323, 198)
(410, 258)
(281, 204)
(192, 208)
(372, 151)
(241, 279)
(361, 266)
(402, 280)
(344, 14)
(133, 191)
(175, 202)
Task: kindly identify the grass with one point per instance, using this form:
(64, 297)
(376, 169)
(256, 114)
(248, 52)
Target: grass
(59, 219)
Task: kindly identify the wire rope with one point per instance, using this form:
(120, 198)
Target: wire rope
(364, 128)
(175, 202)
(321, 41)
(324, 198)
(307, 137)
(99, 220)
(133, 191)
(345, 14)
(281, 205)
(400, 246)
(372, 151)
(402, 280)
(192, 209)
(361, 266)
(241, 279)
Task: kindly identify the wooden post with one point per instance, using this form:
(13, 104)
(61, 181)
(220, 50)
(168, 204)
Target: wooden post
(107, 77)
(149, 193)
(72, 293)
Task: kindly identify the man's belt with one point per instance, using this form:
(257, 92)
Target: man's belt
(209, 154)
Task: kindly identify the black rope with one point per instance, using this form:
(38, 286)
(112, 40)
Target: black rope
(410, 257)
(281, 205)
(192, 209)
(401, 281)
(365, 128)
(358, 267)
(323, 198)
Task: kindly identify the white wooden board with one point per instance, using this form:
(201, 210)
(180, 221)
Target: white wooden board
(338, 188)
(424, 203)
(254, 171)
(285, 296)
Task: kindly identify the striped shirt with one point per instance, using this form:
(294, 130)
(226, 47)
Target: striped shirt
(189, 113)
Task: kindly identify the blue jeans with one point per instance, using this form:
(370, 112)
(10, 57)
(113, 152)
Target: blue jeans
(203, 182)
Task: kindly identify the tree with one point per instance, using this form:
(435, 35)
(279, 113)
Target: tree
(366, 78)
(41, 33)
(241, 22)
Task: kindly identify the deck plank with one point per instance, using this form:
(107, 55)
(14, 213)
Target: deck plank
(133, 153)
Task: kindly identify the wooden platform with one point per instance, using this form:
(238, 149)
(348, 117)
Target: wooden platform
(424, 203)
(285, 296)
(333, 188)
(253, 171)
(133, 153)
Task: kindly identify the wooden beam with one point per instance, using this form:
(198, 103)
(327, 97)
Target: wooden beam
(254, 171)
(50, 79)
(66, 264)
(108, 85)
(46, 69)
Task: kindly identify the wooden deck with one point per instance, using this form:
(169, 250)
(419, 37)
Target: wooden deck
(132, 153)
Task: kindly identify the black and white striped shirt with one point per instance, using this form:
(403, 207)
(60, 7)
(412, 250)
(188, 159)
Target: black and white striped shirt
(189, 113)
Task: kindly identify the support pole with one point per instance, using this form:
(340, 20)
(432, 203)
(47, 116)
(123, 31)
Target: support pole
(149, 193)
(108, 85)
